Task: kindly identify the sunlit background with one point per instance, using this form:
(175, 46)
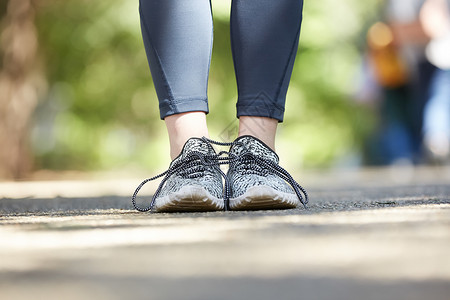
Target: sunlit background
(76, 91)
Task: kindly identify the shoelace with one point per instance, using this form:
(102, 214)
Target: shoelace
(198, 161)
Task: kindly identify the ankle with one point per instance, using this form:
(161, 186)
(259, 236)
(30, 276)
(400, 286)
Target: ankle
(181, 127)
(262, 128)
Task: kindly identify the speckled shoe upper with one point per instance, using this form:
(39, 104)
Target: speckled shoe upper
(243, 175)
(194, 172)
(193, 181)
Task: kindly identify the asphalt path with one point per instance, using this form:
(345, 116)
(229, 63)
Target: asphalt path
(367, 237)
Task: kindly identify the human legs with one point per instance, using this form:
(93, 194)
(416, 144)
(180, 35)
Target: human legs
(264, 36)
(264, 47)
(177, 36)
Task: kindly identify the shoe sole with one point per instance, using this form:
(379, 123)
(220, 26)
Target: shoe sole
(189, 199)
(264, 198)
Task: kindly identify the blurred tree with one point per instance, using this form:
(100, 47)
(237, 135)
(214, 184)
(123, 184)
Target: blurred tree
(20, 82)
(100, 110)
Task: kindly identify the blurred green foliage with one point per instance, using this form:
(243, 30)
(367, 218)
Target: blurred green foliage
(101, 111)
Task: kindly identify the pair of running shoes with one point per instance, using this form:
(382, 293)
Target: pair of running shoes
(254, 180)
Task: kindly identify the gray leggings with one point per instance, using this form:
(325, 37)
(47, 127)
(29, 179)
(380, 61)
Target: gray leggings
(178, 38)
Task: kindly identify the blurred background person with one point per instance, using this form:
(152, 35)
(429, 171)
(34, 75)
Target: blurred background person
(435, 19)
(396, 58)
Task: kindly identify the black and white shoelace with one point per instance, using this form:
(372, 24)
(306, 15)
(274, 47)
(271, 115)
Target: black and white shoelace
(194, 164)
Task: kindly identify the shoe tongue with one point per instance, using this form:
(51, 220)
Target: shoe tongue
(197, 145)
(194, 145)
(255, 146)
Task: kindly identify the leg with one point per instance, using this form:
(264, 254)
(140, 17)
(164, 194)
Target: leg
(264, 41)
(177, 36)
(264, 37)
(178, 40)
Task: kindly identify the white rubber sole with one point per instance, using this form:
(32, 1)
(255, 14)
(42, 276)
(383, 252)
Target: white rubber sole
(188, 199)
(264, 197)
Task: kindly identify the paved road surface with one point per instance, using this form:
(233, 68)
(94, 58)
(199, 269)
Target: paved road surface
(370, 235)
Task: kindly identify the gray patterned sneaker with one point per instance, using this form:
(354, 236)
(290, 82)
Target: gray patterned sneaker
(256, 181)
(193, 181)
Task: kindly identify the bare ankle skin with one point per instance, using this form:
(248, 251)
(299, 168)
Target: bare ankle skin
(262, 128)
(184, 126)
